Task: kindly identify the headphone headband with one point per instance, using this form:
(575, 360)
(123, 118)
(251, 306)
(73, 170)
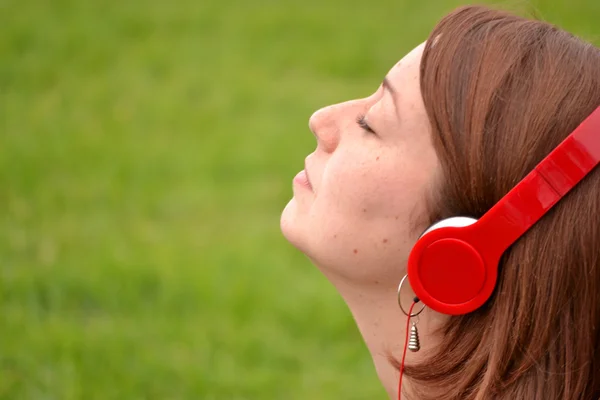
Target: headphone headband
(542, 188)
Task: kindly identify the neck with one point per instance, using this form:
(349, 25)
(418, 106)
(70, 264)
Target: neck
(383, 327)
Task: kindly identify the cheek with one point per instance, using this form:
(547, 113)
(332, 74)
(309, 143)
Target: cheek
(361, 215)
(360, 225)
(380, 185)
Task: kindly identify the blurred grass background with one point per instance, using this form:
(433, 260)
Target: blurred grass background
(146, 152)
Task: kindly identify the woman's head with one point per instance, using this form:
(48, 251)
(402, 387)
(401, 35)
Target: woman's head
(495, 94)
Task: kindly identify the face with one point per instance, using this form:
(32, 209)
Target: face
(359, 205)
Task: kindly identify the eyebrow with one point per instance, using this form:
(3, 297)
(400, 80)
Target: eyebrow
(387, 85)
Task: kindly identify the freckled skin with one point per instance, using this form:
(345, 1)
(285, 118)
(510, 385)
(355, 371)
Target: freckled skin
(366, 186)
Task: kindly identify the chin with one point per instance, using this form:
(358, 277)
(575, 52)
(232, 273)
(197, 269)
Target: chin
(291, 226)
(298, 230)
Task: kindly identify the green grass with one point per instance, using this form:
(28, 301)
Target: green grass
(146, 152)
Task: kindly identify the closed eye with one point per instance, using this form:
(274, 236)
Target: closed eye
(360, 120)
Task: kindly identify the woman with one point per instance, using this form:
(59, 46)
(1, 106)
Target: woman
(455, 125)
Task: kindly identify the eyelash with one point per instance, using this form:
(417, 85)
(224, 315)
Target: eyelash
(360, 120)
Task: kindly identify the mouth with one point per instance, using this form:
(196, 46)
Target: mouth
(302, 179)
(308, 177)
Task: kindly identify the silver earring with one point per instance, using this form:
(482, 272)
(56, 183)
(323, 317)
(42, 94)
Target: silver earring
(413, 341)
(414, 314)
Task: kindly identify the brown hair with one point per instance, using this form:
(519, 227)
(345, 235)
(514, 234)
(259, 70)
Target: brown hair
(501, 92)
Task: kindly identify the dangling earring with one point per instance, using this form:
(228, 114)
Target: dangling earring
(412, 339)
(413, 342)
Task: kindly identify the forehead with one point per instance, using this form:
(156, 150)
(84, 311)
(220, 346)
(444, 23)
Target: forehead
(410, 113)
(407, 69)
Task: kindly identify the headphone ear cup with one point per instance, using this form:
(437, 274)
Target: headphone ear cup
(444, 270)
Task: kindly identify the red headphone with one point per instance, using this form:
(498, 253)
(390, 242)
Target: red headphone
(453, 267)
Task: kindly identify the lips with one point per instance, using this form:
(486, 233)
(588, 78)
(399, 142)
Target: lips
(302, 179)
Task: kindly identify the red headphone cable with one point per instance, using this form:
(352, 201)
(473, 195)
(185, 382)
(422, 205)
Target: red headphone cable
(410, 310)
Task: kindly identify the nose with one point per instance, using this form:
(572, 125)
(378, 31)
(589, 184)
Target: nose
(325, 126)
